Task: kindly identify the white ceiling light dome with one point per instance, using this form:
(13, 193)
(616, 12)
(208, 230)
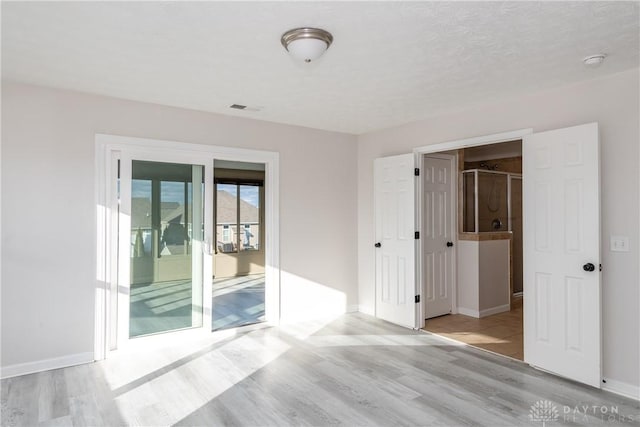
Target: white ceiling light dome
(306, 44)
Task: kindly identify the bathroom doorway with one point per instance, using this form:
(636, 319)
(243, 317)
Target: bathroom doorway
(485, 282)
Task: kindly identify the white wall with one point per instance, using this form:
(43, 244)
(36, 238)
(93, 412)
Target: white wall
(48, 210)
(468, 270)
(483, 277)
(611, 101)
(493, 275)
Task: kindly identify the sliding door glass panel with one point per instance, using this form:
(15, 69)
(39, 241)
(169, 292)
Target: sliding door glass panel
(227, 218)
(249, 217)
(166, 255)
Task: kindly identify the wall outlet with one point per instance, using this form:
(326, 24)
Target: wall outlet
(619, 244)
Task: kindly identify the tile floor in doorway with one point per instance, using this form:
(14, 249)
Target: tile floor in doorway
(500, 333)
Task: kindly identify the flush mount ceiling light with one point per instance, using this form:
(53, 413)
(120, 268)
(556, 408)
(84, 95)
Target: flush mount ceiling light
(307, 44)
(594, 61)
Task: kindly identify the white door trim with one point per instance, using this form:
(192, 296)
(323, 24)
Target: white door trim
(495, 138)
(454, 220)
(107, 146)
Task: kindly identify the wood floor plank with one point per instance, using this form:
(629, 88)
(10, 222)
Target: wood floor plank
(53, 402)
(353, 370)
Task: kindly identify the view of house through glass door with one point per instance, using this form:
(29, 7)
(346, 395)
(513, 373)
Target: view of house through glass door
(239, 254)
(172, 277)
(187, 240)
(165, 237)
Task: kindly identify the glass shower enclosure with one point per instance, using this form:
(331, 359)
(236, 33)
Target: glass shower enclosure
(492, 202)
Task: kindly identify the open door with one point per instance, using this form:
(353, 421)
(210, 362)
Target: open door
(561, 178)
(394, 184)
(437, 234)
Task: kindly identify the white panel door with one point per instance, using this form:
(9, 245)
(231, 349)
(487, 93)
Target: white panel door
(561, 200)
(437, 236)
(395, 240)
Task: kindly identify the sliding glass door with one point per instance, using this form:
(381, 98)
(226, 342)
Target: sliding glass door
(165, 274)
(187, 240)
(162, 229)
(191, 243)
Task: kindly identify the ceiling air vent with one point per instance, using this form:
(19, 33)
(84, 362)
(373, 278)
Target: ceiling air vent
(245, 107)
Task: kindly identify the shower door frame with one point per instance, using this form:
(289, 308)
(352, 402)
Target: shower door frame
(475, 172)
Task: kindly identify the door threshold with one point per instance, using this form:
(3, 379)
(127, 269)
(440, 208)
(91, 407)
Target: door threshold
(464, 344)
(438, 316)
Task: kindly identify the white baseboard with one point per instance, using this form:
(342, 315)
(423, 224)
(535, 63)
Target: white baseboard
(45, 365)
(623, 389)
(495, 310)
(468, 312)
(366, 310)
(353, 308)
(484, 313)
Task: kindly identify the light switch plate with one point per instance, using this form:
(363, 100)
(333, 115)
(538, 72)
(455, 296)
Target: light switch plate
(619, 244)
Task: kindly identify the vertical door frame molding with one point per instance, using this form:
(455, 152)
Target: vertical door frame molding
(420, 152)
(108, 150)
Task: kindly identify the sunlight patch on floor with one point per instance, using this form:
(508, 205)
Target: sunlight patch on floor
(183, 389)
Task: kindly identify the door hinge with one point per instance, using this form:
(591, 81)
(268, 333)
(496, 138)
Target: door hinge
(416, 171)
(417, 299)
(600, 267)
(417, 235)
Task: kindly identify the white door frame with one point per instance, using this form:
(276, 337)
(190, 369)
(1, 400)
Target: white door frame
(419, 152)
(453, 169)
(108, 149)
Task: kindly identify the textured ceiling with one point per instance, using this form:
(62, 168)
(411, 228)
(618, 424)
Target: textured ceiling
(391, 62)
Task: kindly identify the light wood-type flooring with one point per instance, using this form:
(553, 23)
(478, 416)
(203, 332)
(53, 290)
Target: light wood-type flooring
(500, 333)
(353, 370)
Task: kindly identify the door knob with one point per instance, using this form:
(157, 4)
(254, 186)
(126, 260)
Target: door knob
(378, 245)
(449, 244)
(589, 267)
